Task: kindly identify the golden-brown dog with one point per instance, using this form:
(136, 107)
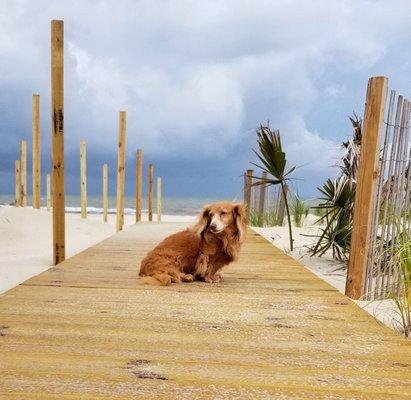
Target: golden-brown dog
(201, 251)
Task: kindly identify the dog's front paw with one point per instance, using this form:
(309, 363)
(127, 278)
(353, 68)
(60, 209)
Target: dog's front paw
(213, 278)
(187, 278)
(219, 276)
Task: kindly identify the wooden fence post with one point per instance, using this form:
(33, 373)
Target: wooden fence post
(281, 205)
(366, 180)
(23, 173)
(139, 183)
(17, 183)
(36, 158)
(158, 199)
(247, 191)
(105, 192)
(121, 170)
(57, 139)
(263, 188)
(150, 191)
(48, 192)
(83, 178)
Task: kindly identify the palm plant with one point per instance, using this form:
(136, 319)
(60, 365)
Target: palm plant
(352, 148)
(337, 205)
(273, 161)
(338, 201)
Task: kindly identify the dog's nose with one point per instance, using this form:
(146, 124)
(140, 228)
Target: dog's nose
(213, 226)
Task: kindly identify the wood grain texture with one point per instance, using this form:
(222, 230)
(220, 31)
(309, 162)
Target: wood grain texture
(86, 329)
(16, 183)
(261, 200)
(248, 189)
(48, 192)
(150, 191)
(121, 164)
(36, 149)
(23, 173)
(367, 176)
(57, 140)
(139, 183)
(281, 205)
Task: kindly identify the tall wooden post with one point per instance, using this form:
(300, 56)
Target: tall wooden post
(120, 170)
(150, 191)
(48, 192)
(281, 205)
(263, 188)
(57, 139)
(23, 173)
(83, 178)
(35, 135)
(158, 199)
(139, 184)
(366, 180)
(247, 190)
(105, 192)
(17, 183)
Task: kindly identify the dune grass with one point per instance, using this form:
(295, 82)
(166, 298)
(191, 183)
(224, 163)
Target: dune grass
(299, 210)
(399, 261)
(268, 218)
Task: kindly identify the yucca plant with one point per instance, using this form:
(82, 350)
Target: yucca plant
(337, 205)
(273, 161)
(338, 202)
(352, 148)
(299, 210)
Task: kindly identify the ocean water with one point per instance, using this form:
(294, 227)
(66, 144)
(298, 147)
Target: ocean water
(170, 205)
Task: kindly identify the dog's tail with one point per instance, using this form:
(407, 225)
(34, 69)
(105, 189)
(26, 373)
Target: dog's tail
(156, 280)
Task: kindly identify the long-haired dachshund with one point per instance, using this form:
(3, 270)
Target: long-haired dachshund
(198, 253)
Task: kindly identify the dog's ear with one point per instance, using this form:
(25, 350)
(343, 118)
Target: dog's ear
(203, 221)
(240, 216)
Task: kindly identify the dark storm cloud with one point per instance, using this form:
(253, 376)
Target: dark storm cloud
(196, 78)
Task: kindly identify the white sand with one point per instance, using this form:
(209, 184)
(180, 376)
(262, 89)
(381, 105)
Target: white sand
(325, 267)
(26, 239)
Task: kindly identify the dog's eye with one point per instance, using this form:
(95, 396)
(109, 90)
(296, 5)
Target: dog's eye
(223, 212)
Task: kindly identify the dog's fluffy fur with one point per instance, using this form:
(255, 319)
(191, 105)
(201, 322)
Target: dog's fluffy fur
(201, 251)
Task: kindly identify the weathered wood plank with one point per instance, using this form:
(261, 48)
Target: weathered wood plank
(271, 329)
(367, 176)
(121, 160)
(57, 141)
(36, 152)
(139, 183)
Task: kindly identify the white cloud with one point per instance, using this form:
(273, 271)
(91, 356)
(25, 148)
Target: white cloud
(194, 76)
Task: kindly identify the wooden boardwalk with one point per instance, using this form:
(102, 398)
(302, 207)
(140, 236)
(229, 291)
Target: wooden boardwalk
(87, 330)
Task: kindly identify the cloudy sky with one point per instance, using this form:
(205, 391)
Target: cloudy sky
(196, 78)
